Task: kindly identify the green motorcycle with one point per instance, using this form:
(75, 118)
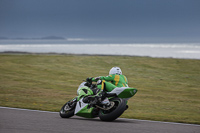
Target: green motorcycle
(117, 100)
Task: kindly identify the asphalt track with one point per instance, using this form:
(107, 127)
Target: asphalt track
(13, 120)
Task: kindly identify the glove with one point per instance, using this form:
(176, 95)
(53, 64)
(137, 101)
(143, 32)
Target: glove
(89, 80)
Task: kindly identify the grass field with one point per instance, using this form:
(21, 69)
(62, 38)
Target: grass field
(168, 89)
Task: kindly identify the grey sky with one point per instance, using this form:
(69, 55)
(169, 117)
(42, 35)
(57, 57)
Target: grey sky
(157, 19)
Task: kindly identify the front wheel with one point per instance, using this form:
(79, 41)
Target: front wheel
(68, 110)
(115, 112)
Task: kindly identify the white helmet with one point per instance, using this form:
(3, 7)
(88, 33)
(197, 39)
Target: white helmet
(115, 70)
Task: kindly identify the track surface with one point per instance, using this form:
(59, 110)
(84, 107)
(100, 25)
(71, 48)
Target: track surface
(14, 120)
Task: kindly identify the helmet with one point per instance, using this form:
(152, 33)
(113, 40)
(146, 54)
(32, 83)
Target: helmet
(115, 70)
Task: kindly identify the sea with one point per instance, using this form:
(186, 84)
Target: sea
(96, 47)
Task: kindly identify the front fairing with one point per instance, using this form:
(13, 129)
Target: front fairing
(83, 110)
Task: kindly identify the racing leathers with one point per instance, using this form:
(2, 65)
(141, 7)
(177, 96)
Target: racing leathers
(110, 82)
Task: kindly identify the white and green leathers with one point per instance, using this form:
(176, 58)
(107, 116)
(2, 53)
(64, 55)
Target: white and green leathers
(112, 81)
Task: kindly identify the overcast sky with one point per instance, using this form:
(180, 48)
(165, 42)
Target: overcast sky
(157, 19)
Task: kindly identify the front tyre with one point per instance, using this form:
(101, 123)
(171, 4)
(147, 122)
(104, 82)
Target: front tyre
(115, 112)
(67, 110)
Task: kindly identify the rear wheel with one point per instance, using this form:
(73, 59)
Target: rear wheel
(68, 110)
(115, 112)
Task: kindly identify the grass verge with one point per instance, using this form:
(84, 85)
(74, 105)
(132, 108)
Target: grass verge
(168, 89)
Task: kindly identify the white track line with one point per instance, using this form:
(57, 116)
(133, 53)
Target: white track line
(118, 118)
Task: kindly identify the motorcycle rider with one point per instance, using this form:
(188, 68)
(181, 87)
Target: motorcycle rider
(113, 80)
(110, 82)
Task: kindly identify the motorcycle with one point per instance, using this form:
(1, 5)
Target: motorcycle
(118, 104)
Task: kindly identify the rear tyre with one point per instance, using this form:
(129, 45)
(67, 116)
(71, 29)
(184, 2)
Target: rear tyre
(115, 112)
(67, 110)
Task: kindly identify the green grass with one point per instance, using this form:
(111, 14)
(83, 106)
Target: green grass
(168, 89)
